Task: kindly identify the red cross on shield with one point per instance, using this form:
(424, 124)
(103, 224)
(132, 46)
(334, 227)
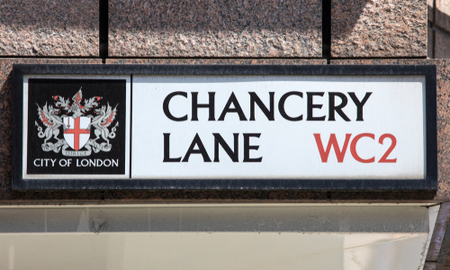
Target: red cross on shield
(77, 134)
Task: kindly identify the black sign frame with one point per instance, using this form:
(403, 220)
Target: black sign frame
(428, 183)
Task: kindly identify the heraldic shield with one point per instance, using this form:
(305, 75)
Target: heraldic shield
(77, 133)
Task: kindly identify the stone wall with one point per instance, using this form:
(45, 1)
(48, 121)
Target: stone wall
(49, 28)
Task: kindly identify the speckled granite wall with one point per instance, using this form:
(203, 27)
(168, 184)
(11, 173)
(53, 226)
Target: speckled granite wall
(223, 61)
(8, 196)
(378, 28)
(215, 28)
(49, 28)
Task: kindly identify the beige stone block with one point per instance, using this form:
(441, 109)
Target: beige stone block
(49, 28)
(215, 28)
(378, 28)
(443, 14)
(442, 45)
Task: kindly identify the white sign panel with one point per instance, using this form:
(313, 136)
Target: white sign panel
(224, 127)
(312, 127)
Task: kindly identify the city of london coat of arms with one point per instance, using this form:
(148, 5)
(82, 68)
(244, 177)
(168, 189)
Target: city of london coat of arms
(65, 125)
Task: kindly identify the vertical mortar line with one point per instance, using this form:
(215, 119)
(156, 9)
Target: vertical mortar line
(326, 30)
(433, 38)
(103, 30)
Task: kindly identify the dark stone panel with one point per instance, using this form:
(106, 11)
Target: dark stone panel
(442, 45)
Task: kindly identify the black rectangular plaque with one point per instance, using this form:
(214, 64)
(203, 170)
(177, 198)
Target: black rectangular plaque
(73, 128)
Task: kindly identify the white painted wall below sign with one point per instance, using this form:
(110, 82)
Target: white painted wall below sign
(250, 251)
(215, 236)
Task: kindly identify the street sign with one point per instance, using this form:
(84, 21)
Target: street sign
(225, 127)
